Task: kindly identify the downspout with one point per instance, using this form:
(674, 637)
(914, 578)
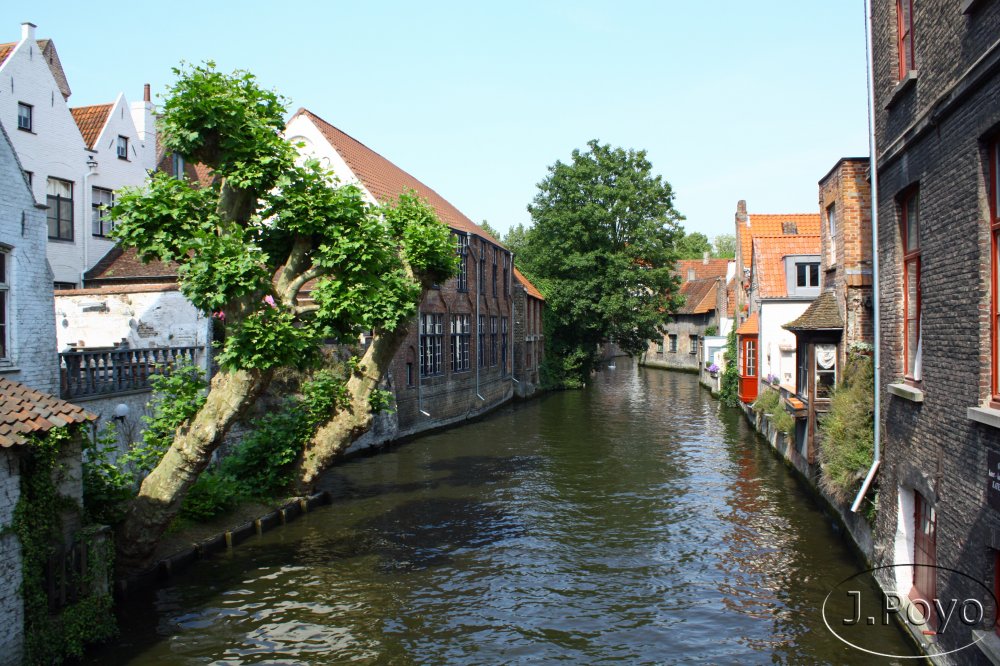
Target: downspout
(510, 328)
(876, 359)
(480, 286)
(87, 206)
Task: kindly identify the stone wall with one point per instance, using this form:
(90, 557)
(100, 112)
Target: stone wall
(686, 356)
(11, 605)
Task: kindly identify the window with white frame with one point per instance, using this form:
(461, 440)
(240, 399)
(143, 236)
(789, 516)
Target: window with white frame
(831, 228)
(25, 116)
(807, 274)
(431, 339)
(460, 339)
(59, 196)
(101, 201)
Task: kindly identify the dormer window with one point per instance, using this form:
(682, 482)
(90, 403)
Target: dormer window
(122, 147)
(807, 274)
(24, 116)
(691, 274)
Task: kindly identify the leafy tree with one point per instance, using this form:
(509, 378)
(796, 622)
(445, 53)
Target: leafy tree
(693, 245)
(724, 246)
(247, 245)
(602, 247)
(488, 228)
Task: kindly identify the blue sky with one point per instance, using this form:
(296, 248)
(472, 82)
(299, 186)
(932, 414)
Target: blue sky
(732, 100)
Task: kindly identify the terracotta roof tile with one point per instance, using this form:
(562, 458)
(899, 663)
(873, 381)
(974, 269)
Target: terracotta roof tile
(750, 327)
(25, 411)
(119, 266)
(699, 296)
(5, 50)
(769, 265)
(386, 181)
(731, 299)
(806, 224)
(90, 120)
(702, 270)
(530, 288)
(48, 50)
(823, 314)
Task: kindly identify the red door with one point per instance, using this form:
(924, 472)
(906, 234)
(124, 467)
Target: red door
(748, 368)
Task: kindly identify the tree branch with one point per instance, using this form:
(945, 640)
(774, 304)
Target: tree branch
(294, 264)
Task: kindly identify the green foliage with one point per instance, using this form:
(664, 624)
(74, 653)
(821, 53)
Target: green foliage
(602, 250)
(107, 487)
(769, 402)
(848, 444)
(711, 330)
(724, 246)
(729, 387)
(427, 243)
(380, 400)
(782, 420)
(260, 466)
(51, 638)
(488, 228)
(267, 339)
(766, 402)
(177, 396)
(692, 246)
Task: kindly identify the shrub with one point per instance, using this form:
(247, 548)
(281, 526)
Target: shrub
(766, 402)
(214, 493)
(729, 387)
(848, 446)
(107, 487)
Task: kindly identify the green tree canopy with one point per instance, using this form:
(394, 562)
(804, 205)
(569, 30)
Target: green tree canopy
(603, 249)
(693, 245)
(724, 246)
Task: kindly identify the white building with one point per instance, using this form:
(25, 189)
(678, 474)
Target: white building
(68, 172)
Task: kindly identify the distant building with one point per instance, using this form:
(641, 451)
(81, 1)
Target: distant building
(936, 86)
(704, 313)
(456, 361)
(529, 336)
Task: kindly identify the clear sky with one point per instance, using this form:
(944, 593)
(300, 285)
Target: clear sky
(732, 100)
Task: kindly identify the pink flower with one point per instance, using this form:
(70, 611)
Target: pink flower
(269, 299)
(220, 315)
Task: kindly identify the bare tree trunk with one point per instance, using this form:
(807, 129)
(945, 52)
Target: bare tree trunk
(162, 492)
(335, 436)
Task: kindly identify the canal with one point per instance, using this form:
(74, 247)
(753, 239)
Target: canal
(632, 522)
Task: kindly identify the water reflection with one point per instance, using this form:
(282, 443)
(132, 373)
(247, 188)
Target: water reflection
(633, 522)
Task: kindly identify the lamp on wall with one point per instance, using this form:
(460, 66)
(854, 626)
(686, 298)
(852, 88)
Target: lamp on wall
(121, 412)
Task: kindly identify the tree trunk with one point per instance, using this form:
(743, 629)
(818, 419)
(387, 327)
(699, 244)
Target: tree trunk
(347, 424)
(162, 492)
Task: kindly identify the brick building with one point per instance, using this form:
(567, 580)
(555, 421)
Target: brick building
(936, 85)
(529, 336)
(842, 315)
(456, 361)
(703, 313)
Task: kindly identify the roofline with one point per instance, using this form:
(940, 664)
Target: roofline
(837, 166)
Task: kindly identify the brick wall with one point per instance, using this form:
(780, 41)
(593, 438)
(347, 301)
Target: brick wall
(11, 606)
(930, 134)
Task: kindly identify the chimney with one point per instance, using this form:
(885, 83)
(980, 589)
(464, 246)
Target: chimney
(789, 228)
(145, 93)
(741, 213)
(144, 117)
(704, 258)
(28, 31)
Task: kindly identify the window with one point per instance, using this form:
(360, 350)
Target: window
(659, 346)
(904, 36)
(59, 194)
(101, 201)
(504, 332)
(463, 266)
(493, 335)
(63, 285)
(506, 273)
(460, 339)
(807, 275)
(4, 291)
(693, 344)
(496, 251)
(177, 166)
(409, 373)
(31, 178)
(122, 147)
(750, 357)
(910, 231)
(994, 189)
(826, 369)
(431, 334)
(481, 347)
(672, 342)
(24, 116)
(691, 275)
(831, 228)
(482, 267)
(924, 549)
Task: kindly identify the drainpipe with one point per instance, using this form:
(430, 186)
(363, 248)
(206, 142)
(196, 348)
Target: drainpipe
(877, 461)
(481, 261)
(87, 207)
(510, 328)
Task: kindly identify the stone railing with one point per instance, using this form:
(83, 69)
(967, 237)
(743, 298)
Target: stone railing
(96, 373)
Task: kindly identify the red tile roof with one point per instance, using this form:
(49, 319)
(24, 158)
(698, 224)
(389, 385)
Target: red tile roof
(90, 120)
(530, 288)
(769, 265)
(750, 327)
(699, 296)
(385, 180)
(48, 50)
(702, 270)
(731, 299)
(123, 265)
(806, 224)
(25, 411)
(5, 50)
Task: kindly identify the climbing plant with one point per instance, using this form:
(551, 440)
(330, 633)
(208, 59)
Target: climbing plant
(52, 637)
(729, 387)
(848, 429)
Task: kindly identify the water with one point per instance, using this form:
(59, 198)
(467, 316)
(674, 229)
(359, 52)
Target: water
(633, 522)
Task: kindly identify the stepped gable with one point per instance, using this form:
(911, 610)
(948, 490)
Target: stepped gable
(386, 181)
(25, 412)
